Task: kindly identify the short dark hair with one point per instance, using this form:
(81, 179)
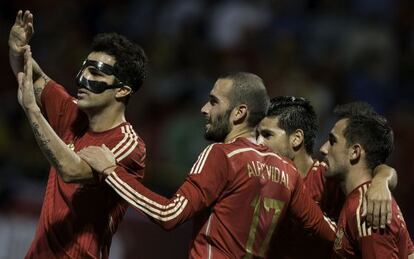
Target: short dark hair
(295, 113)
(357, 108)
(249, 89)
(371, 130)
(131, 61)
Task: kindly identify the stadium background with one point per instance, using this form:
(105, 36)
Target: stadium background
(329, 51)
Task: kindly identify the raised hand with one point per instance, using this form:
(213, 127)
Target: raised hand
(21, 32)
(25, 93)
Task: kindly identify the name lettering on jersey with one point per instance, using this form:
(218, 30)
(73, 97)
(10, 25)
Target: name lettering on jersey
(267, 172)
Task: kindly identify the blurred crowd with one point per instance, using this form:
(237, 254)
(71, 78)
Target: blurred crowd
(329, 51)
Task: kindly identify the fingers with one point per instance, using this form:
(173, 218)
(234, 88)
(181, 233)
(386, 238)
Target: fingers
(29, 25)
(26, 16)
(29, 30)
(384, 214)
(376, 215)
(19, 17)
(370, 211)
(105, 148)
(389, 212)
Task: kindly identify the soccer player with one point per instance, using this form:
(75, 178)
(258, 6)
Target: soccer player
(356, 145)
(290, 129)
(237, 191)
(80, 213)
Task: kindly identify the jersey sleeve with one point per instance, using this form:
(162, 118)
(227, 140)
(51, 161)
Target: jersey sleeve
(303, 208)
(200, 189)
(130, 153)
(60, 108)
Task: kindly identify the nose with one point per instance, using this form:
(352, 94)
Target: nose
(204, 109)
(324, 149)
(260, 139)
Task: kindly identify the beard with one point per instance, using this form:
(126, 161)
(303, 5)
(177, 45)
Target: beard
(219, 128)
(338, 172)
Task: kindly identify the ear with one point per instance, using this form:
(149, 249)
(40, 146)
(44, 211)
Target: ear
(355, 153)
(239, 114)
(123, 91)
(296, 139)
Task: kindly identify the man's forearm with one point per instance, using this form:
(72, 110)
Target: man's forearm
(40, 79)
(16, 62)
(67, 163)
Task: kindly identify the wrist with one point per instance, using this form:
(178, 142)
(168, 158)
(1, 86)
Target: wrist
(108, 170)
(16, 52)
(378, 180)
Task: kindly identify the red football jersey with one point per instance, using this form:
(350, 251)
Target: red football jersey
(355, 240)
(78, 220)
(237, 193)
(292, 241)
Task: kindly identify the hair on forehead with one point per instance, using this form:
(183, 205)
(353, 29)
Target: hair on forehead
(249, 89)
(366, 127)
(295, 113)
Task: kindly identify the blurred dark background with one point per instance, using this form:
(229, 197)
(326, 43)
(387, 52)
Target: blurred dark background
(329, 51)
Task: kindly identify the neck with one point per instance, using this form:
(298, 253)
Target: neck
(244, 132)
(355, 177)
(303, 162)
(106, 118)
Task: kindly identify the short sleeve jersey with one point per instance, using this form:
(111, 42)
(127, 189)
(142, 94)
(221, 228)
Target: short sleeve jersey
(78, 220)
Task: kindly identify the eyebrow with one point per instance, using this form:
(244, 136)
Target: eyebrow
(213, 97)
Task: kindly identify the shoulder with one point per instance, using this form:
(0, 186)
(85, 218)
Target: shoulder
(123, 141)
(352, 211)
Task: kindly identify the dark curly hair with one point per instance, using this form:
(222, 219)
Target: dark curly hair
(295, 113)
(131, 61)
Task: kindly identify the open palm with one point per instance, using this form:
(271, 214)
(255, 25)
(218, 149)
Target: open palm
(21, 32)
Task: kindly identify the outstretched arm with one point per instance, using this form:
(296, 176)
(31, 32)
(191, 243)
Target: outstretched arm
(68, 164)
(20, 35)
(198, 191)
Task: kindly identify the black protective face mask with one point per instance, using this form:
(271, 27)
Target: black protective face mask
(96, 86)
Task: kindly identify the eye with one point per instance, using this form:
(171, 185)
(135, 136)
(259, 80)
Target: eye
(331, 140)
(213, 102)
(94, 72)
(266, 134)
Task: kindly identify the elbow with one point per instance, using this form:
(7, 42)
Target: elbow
(72, 174)
(68, 177)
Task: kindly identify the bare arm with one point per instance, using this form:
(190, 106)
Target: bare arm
(377, 207)
(68, 164)
(20, 35)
